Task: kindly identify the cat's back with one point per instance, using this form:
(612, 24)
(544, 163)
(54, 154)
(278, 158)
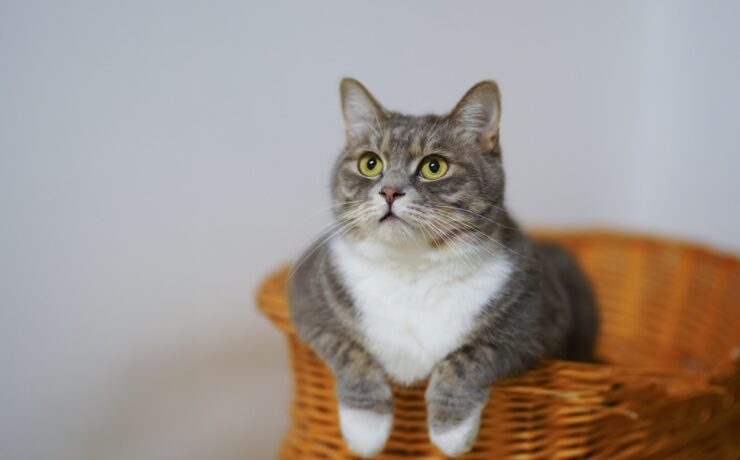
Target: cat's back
(580, 299)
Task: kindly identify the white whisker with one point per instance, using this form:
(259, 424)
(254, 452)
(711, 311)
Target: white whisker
(345, 221)
(476, 229)
(475, 214)
(465, 226)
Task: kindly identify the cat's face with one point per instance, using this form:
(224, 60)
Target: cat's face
(430, 179)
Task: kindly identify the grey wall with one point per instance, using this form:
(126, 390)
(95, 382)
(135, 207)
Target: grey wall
(157, 159)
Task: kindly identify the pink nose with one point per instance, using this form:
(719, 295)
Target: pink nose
(390, 193)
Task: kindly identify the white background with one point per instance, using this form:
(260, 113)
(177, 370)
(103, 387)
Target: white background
(157, 159)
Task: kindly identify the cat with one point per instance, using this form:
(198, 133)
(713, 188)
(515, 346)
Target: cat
(425, 275)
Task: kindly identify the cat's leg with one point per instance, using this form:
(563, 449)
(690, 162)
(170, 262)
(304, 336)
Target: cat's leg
(458, 390)
(365, 396)
(454, 404)
(365, 404)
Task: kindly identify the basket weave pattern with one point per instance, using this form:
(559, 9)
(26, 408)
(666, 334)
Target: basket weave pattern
(670, 332)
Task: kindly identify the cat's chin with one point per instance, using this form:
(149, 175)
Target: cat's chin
(394, 230)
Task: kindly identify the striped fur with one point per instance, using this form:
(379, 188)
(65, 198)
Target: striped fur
(449, 290)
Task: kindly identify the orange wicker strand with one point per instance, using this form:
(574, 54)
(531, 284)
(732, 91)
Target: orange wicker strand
(670, 333)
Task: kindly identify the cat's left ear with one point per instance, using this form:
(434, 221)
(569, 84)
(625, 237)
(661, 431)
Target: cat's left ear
(478, 114)
(360, 109)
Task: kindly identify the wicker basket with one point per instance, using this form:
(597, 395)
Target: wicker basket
(670, 333)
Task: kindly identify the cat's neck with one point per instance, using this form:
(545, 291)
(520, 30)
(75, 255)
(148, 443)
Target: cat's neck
(418, 257)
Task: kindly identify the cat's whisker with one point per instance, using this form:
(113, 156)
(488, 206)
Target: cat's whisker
(475, 249)
(436, 234)
(476, 214)
(347, 220)
(459, 240)
(316, 244)
(465, 226)
(331, 207)
(476, 229)
(449, 242)
(460, 250)
(346, 229)
(478, 236)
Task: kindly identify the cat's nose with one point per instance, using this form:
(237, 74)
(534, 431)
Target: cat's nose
(390, 193)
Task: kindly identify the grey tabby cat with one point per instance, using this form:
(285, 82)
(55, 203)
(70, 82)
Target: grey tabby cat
(425, 274)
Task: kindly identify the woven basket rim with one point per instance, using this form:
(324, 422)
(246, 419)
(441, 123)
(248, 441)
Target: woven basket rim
(637, 236)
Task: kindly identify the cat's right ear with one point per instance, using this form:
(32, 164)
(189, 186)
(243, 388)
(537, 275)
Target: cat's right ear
(360, 109)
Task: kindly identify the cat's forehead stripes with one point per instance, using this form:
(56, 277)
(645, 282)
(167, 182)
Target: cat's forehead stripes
(406, 137)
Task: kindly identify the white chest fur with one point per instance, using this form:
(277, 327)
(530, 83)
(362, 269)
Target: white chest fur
(412, 313)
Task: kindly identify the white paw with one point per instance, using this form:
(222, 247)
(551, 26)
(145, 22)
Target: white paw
(364, 431)
(458, 439)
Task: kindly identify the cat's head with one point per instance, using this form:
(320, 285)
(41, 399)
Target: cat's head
(431, 179)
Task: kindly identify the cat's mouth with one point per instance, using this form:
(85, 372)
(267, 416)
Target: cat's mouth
(389, 216)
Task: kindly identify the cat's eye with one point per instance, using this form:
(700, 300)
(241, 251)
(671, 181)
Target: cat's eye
(433, 167)
(370, 165)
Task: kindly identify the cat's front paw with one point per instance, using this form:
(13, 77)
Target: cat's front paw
(454, 440)
(365, 431)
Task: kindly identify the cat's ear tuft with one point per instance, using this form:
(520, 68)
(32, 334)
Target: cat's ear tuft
(360, 109)
(478, 114)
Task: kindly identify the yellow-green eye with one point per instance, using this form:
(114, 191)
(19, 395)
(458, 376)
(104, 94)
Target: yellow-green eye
(370, 165)
(433, 167)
